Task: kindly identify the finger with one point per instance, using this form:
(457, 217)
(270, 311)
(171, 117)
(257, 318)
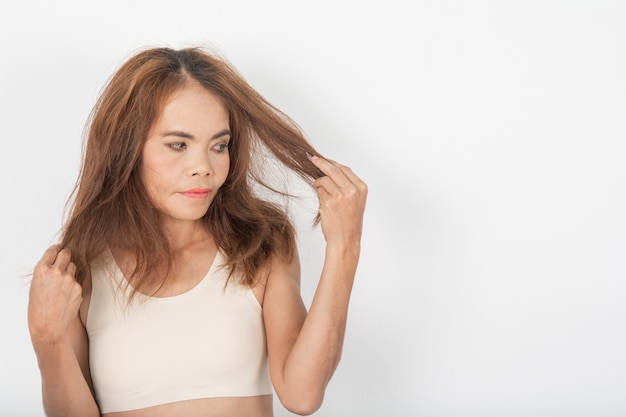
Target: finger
(326, 185)
(71, 269)
(323, 196)
(50, 255)
(354, 179)
(333, 170)
(63, 259)
(350, 180)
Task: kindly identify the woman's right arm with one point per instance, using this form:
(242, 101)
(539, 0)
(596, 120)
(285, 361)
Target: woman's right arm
(59, 337)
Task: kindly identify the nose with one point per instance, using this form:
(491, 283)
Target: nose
(200, 164)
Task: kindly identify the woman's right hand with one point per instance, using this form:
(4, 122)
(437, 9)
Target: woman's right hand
(54, 298)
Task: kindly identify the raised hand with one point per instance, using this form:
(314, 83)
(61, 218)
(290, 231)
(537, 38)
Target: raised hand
(54, 297)
(342, 198)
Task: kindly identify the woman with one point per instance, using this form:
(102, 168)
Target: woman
(175, 289)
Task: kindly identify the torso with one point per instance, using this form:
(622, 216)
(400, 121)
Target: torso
(193, 265)
(258, 406)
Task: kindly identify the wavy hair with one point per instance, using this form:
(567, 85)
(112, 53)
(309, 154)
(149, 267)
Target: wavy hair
(109, 205)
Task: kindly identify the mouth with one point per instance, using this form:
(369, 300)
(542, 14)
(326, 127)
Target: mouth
(197, 193)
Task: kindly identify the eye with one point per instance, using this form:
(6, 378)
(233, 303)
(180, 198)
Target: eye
(177, 146)
(221, 147)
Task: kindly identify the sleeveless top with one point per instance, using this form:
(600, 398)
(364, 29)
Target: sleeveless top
(207, 342)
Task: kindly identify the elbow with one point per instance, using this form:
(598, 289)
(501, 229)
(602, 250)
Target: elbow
(303, 404)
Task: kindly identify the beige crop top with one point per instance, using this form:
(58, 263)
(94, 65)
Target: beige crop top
(207, 342)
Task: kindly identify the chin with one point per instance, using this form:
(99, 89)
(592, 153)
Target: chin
(189, 216)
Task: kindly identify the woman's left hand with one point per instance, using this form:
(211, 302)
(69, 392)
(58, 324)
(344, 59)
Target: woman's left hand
(342, 198)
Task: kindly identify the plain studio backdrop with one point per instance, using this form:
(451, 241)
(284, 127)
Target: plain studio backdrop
(492, 135)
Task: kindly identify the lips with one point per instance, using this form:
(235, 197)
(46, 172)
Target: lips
(198, 193)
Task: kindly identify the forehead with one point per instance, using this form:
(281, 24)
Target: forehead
(192, 104)
(192, 93)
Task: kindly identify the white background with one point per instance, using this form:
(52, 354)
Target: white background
(492, 135)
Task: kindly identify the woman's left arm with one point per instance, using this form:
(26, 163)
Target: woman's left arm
(305, 348)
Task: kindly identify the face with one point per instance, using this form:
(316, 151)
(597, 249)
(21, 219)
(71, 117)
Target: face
(185, 157)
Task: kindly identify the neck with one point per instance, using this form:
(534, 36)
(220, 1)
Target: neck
(183, 235)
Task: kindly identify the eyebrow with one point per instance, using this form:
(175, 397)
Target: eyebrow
(185, 135)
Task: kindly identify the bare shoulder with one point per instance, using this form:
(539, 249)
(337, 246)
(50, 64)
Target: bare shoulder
(282, 278)
(275, 271)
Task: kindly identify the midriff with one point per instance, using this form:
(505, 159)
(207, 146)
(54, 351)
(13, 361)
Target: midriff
(257, 406)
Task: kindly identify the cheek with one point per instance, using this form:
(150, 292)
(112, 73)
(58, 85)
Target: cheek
(153, 175)
(158, 168)
(223, 168)
(151, 185)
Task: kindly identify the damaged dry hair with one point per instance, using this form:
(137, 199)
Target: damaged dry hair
(110, 207)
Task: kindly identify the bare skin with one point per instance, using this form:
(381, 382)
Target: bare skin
(193, 263)
(260, 406)
(304, 348)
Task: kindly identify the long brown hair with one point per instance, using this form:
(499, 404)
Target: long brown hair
(110, 206)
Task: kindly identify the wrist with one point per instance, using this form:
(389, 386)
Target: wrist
(345, 248)
(344, 251)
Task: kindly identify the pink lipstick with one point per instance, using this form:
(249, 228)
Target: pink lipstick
(198, 193)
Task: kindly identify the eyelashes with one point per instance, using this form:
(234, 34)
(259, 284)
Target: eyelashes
(178, 146)
(181, 146)
(223, 147)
